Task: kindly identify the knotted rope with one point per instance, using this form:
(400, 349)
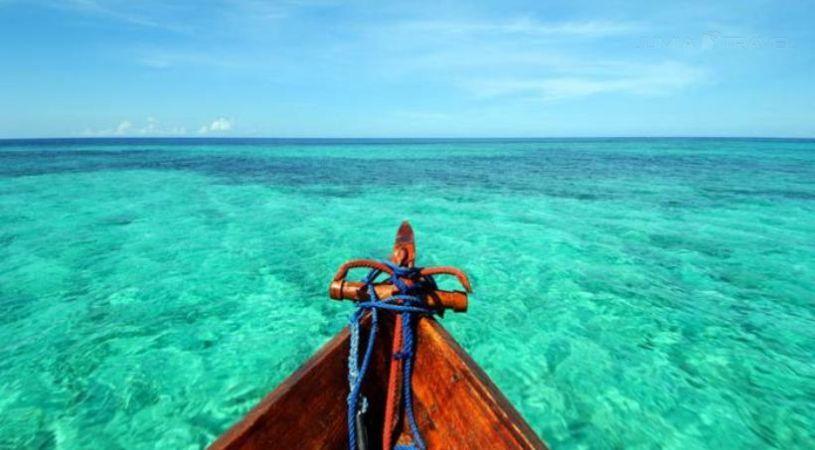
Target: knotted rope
(409, 304)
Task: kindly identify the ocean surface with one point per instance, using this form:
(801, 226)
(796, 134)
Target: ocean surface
(629, 293)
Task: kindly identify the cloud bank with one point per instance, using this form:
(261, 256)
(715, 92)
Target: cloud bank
(219, 125)
(127, 128)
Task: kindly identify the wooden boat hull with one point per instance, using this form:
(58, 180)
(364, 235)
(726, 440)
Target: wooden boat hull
(457, 406)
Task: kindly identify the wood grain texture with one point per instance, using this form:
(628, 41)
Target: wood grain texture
(457, 406)
(308, 410)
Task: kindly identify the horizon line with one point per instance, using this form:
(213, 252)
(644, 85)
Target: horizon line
(204, 138)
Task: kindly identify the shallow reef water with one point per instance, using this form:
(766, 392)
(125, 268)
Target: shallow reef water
(629, 293)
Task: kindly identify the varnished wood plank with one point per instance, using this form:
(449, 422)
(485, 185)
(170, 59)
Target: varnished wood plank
(305, 411)
(457, 404)
(308, 410)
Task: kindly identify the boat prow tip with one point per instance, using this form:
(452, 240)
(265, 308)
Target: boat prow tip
(405, 230)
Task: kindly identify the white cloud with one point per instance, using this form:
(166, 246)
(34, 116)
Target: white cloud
(638, 79)
(524, 58)
(219, 125)
(164, 58)
(123, 127)
(525, 26)
(141, 14)
(151, 127)
(184, 17)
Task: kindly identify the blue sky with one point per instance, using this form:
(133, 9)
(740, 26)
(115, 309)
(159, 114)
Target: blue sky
(322, 68)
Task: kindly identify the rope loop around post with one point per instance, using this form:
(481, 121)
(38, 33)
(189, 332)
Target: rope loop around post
(408, 302)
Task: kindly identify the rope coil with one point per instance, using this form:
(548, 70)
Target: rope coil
(409, 304)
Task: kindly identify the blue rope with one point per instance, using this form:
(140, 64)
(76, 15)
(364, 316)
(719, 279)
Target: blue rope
(408, 303)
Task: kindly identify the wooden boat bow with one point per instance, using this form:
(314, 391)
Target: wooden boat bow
(456, 404)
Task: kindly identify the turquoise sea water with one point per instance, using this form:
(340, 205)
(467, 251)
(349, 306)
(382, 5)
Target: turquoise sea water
(628, 293)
